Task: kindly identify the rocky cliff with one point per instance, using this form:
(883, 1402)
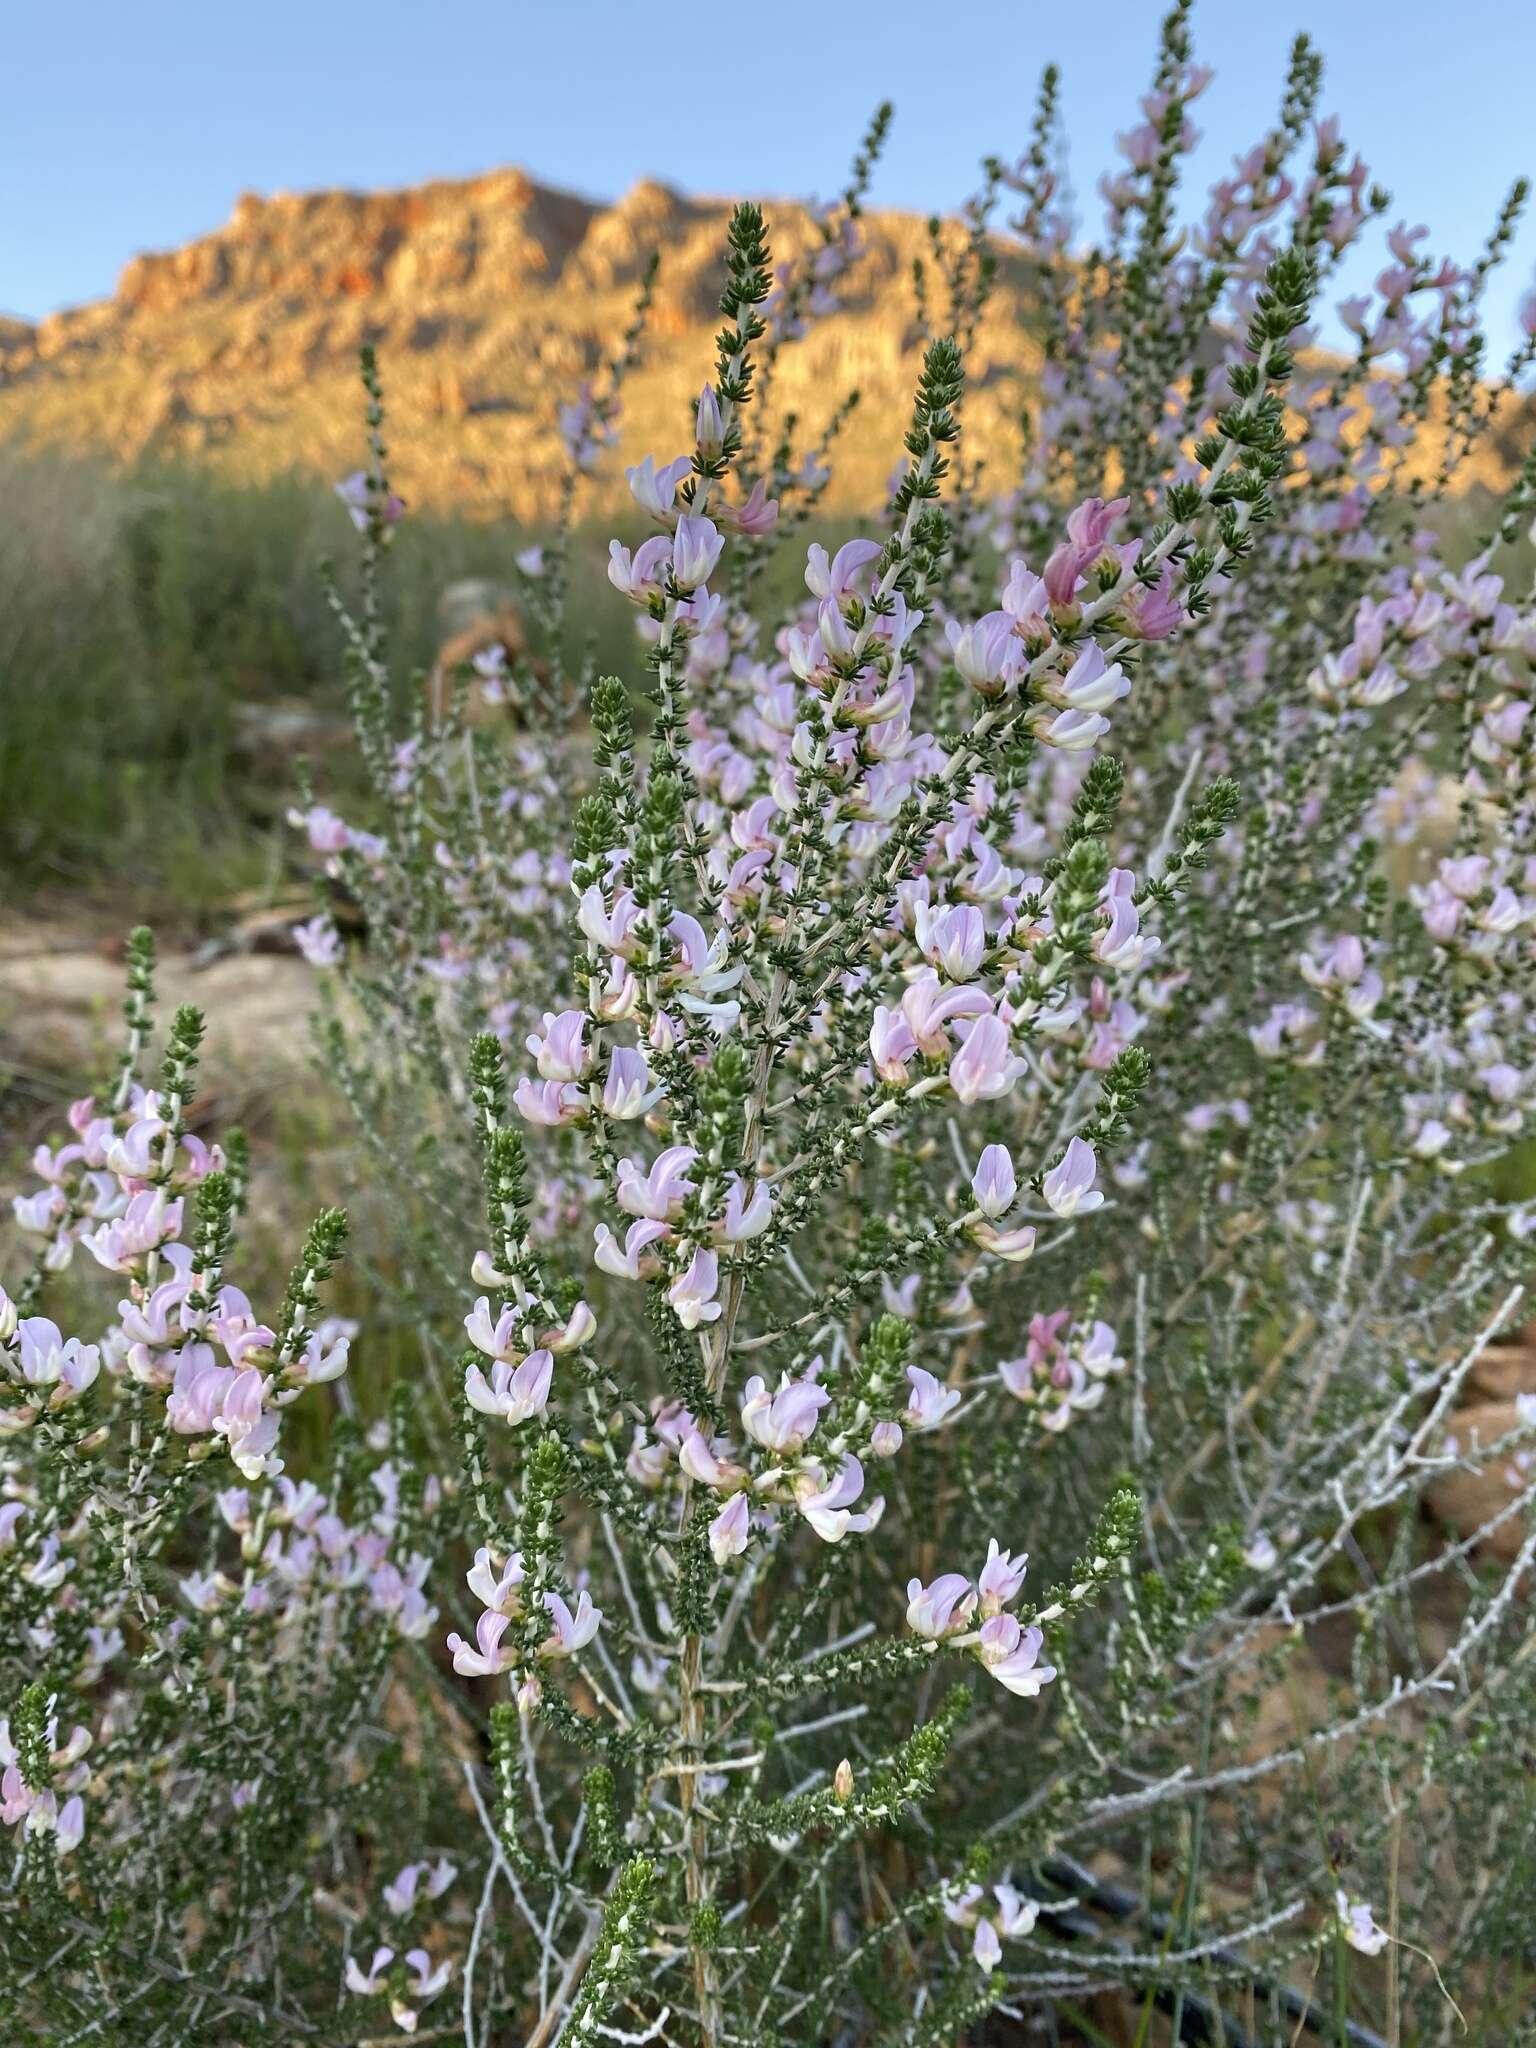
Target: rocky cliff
(490, 299)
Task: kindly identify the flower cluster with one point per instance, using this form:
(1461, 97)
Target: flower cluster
(1020, 1020)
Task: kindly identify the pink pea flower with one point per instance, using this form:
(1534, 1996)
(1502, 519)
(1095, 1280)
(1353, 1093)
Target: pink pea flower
(1068, 1187)
(942, 1608)
(359, 493)
(828, 1506)
(729, 1531)
(655, 490)
(1089, 685)
(496, 1340)
(431, 1880)
(639, 577)
(69, 1828)
(548, 1104)
(756, 515)
(571, 1632)
(48, 1360)
(515, 1394)
(1358, 1925)
(782, 1422)
(1012, 1654)
(930, 1403)
(708, 426)
(1025, 597)
(249, 1429)
(985, 1946)
(953, 939)
(746, 1216)
(319, 942)
(148, 1221)
(659, 1194)
(560, 1050)
(984, 1068)
(1001, 1578)
(630, 1262)
(891, 1045)
(994, 1183)
(495, 1587)
(370, 1982)
(577, 1329)
(692, 1293)
(1072, 731)
(696, 549)
(487, 1659)
(628, 1087)
(842, 576)
(987, 653)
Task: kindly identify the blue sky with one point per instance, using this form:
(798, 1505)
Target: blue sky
(135, 126)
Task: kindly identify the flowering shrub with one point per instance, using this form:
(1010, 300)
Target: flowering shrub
(991, 1096)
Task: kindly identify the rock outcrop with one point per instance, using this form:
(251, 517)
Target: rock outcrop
(490, 299)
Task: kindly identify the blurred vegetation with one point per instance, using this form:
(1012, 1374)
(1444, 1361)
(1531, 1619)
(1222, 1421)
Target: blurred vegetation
(146, 619)
(156, 623)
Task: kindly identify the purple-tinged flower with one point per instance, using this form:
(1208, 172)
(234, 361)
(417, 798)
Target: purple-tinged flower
(828, 1506)
(1072, 731)
(953, 939)
(495, 1586)
(659, 1194)
(487, 1659)
(48, 1360)
(842, 576)
(994, 1183)
(692, 1293)
(696, 548)
(1358, 1926)
(629, 1089)
(987, 653)
(515, 1394)
(370, 1982)
(430, 1880)
(577, 1329)
(699, 1458)
(942, 1608)
(560, 1050)
(366, 501)
(756, 515)
(639, 577)
(249, 1429)
(1017, 1912)
(891, 1045)
(1012, 1655)
(931, 1402)
(319, 941)
(746, 1216)
(548, 1104)
(985, 1067)
(708, 426)
(146, 1224)
(1068, 1187)
(985, 1946)
(729, 1530)
(69, 1828)
(496, 1340)
(1001, 1578)
(1025, 598)
(655, 490)
(570, 1632)
(1089, 685)
(782, 1422)
(629, 1263)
